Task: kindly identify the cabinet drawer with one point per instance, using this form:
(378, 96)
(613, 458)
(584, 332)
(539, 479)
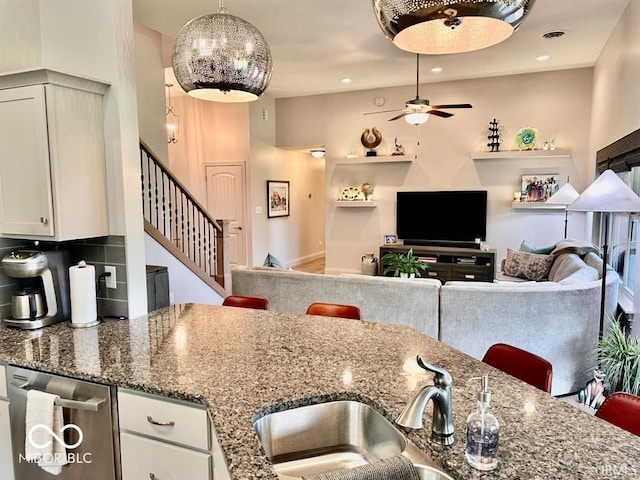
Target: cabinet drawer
(186, 424)
(143, 458)
(471, 273)
(437, 270)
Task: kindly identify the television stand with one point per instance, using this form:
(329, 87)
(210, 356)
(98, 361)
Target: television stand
(450, 263)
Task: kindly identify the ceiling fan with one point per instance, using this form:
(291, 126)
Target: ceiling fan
(417, 111)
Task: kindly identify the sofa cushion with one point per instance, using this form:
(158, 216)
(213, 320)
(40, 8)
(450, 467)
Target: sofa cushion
(570, 265)
(271, 261)
(531, 266)
(579, 247)
(527, 247)
(594, 260)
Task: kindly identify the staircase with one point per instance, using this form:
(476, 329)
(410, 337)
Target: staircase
(174, 219)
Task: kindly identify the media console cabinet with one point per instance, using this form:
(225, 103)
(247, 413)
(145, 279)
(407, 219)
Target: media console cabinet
(450, 263)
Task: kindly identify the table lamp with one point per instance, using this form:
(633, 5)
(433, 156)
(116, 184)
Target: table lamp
(565, 196)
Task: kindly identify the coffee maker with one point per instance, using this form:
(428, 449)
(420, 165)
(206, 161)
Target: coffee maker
(41, 297)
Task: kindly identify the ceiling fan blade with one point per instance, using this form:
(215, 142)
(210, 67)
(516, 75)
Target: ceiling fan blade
(454, 105)
(399, 116)
(383, 111)
(438, 113)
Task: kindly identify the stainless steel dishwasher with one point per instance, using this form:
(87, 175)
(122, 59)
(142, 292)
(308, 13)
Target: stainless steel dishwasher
(85, 405)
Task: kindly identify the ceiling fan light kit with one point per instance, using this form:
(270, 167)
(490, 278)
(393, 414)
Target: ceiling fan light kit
(222, 58)
(437, 27)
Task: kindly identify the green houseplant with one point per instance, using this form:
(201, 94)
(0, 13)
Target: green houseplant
(619, 359)
(399, 263)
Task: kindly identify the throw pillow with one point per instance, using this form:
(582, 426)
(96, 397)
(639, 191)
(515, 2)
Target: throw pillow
(271, 261)
(532, 266)
(527, 247)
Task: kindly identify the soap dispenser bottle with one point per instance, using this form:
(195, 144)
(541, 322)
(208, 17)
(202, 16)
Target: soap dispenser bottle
(482, 432)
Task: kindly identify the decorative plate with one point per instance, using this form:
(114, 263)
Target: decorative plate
(526, 138)
(350, 193)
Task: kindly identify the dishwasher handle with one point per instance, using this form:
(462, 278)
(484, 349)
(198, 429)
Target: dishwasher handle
(92, 404)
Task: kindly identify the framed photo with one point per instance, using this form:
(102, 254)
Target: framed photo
(277, 198)
(390, 239)
(539, 187)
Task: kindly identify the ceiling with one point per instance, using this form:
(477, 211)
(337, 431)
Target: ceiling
(316, 43)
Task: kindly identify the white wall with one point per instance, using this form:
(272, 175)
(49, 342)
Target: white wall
(300, 236)
(616, 95)
(558, 104)
(150, 91)
(184, 285)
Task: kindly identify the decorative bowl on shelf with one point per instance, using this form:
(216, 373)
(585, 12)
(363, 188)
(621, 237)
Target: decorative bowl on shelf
(350, 193)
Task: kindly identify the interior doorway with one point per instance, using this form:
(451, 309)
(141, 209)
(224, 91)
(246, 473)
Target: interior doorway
(225, 183)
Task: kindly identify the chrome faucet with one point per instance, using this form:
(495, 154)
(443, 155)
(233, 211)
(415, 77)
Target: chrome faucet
(440, 393)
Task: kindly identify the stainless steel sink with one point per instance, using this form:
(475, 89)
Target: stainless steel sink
(330, 436)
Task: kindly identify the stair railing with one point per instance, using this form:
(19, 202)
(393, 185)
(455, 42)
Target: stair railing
(176, 220)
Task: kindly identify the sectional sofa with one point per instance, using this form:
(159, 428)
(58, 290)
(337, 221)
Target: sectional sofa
(557, 319)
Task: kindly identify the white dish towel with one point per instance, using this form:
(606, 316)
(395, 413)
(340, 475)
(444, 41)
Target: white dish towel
(42, 418)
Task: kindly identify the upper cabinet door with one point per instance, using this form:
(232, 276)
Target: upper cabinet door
(25, 178)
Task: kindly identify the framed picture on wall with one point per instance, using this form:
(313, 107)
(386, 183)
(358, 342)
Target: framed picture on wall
(277, 198)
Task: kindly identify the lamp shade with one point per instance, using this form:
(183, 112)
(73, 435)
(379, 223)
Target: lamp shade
(446, 26)
(222, 58)
(607, 193)
(416, 118)
(564, 196)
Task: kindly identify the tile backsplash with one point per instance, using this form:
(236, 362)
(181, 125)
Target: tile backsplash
(98, 252)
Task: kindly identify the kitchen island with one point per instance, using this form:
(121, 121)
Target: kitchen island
(244, 363)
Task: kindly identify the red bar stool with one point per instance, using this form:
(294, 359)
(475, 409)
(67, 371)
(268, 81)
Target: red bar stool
(257, 303)
(623, 410)
(521, 364)
(334, 310)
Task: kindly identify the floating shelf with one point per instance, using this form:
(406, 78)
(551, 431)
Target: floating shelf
(521, 155)
(537, 206)
(355, 204)
(377, 159)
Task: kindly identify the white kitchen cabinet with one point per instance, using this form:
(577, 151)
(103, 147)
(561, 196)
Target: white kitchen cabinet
(52, 157)
(166, 438)
(6, 456)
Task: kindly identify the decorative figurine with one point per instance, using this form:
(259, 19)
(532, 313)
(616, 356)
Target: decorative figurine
(594, 392)
(494, 137)
(367, 190)
(397, 148)
(371, 139)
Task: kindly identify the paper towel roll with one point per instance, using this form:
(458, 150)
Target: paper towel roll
(82, 286)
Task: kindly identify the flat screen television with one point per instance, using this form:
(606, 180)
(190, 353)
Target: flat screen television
(446, 218)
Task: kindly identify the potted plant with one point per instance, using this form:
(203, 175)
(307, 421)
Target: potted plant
(619, 359)
(403, 265)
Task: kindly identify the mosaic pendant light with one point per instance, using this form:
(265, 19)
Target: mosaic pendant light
(445, 26)
(222, 58)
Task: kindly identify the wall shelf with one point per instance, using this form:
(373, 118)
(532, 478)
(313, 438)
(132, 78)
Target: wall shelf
(355, 204)
(377, 159)
(521, 155)
(537, 206)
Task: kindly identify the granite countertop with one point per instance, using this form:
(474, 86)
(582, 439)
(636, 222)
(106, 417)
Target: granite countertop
(243, 362)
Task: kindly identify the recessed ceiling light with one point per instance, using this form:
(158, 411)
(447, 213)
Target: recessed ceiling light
(542, 58)
(436, 69)
(345, 80)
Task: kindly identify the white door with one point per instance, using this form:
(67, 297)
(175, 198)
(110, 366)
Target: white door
(226, 201)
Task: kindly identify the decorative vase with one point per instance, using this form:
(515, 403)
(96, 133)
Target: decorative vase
(407, 275)
(369, 265)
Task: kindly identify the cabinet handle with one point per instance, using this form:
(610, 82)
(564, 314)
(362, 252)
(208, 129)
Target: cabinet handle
(170, 423)
(43, 220)
(470, 277)
(432, 274)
